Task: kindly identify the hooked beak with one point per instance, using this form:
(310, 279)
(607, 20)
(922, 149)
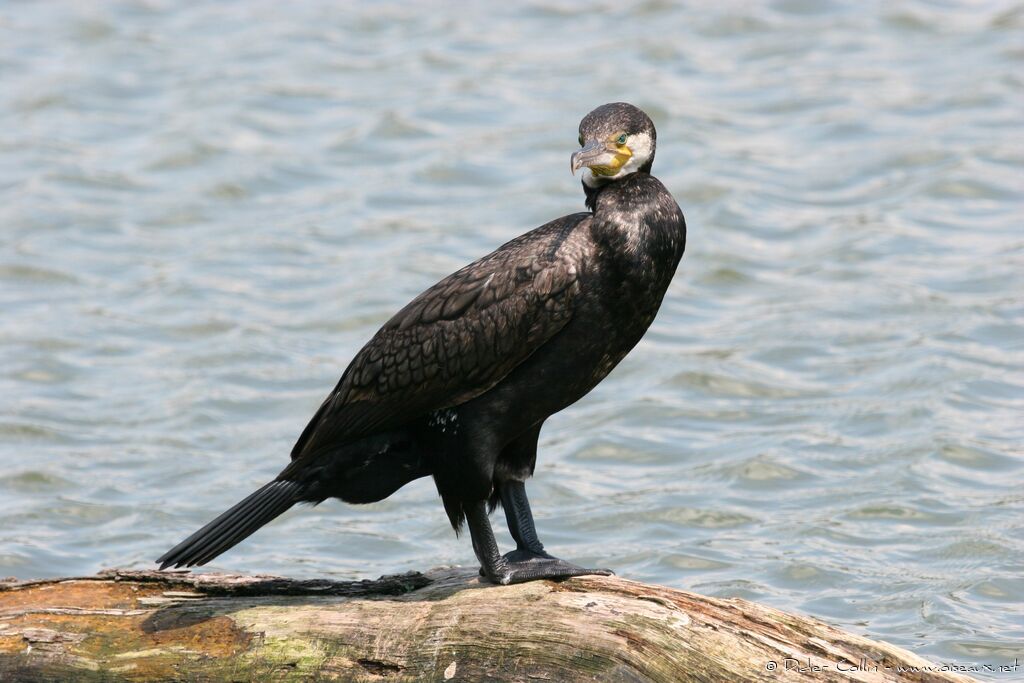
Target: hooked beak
(593, 153)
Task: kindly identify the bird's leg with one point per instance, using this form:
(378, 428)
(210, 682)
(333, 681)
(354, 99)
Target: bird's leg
(492, 564)
(529, 561)
(529, 550)
(520, 522)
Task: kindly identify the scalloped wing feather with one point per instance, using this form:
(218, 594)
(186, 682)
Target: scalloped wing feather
(456, 340)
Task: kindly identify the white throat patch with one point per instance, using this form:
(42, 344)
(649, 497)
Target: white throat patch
(591, 180)
(641, 145)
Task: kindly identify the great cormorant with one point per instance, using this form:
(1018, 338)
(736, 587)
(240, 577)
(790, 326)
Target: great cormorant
(459, 382)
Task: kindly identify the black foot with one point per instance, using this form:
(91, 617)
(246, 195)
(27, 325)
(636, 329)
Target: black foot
(520, 566)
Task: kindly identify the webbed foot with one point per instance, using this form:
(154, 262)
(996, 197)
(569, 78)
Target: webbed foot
(520, 566)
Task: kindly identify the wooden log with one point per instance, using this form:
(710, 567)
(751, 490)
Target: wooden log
(441, 626)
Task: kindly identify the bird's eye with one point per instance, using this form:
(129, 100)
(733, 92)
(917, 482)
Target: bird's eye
(622, 139)
(581, 141)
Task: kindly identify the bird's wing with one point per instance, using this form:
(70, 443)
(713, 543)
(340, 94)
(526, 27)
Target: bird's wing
(454, 341)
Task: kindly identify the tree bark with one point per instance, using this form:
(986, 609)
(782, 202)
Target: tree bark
(441, 626)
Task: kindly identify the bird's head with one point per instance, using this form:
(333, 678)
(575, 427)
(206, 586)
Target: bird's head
(616, 140)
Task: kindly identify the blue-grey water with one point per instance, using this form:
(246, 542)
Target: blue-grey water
(206, 209)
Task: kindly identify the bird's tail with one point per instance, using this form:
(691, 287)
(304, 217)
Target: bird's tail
(234, 525)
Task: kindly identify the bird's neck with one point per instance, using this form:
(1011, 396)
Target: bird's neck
(591, 195)
(638, 223)
(592, 191)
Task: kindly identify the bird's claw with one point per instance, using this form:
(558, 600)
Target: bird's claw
(520, 566)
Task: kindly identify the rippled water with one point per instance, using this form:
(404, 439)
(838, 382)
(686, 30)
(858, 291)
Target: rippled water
(206, 208)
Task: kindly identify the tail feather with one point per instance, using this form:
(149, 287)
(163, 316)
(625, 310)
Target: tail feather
(242, 524)
(233, 526)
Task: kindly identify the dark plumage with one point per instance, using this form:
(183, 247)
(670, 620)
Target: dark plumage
(459, 382)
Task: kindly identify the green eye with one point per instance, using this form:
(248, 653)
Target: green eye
(581, 140)
(622, 139)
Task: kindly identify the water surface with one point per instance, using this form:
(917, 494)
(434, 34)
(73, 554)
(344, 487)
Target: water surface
(206, 209)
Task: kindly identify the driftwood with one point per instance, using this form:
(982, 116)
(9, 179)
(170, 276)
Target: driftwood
(440, 626)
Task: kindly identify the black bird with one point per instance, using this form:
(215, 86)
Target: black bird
(459, 382)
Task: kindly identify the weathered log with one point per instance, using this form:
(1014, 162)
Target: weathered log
(441, 626)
